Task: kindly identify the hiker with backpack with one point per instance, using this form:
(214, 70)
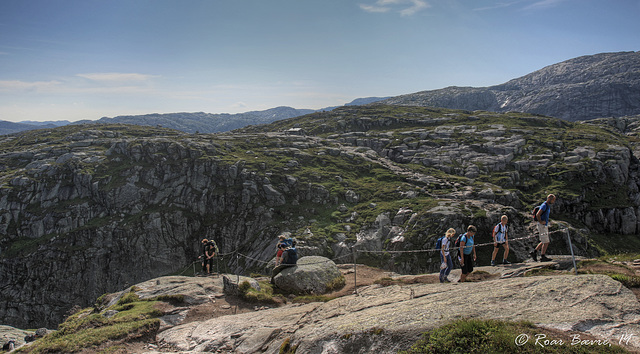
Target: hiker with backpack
(541, 216)
(446, 264)
(209, 250)
(467, 251)
(281, 246)
(289, 259)
(500, 237)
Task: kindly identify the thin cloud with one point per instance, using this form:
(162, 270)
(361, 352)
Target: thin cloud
(239, 105)
(117, 77)
(404, 7)
(499, 5)
(533, 5)
(543, 4)
(16, 85)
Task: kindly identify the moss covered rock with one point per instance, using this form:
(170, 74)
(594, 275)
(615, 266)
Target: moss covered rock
(312, 275)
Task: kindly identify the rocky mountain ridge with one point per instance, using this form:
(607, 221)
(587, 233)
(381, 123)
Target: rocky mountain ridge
(107, 206)
(587, 87)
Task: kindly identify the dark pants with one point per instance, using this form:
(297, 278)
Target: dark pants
(279, 269)
(467, 268)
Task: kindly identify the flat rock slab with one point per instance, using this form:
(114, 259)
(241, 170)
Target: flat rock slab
(388, 319)
(8, 333)
(196, 290)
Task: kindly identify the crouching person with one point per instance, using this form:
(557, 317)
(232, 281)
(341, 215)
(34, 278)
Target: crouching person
(289, 259)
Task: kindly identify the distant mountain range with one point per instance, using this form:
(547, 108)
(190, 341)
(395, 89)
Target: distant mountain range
(198, 122)
(587, 87)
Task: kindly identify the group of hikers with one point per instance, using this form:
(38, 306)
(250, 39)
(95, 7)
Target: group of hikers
(287, 255)
(465, 243)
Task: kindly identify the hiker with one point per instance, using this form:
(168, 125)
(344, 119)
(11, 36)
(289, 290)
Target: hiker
(445, 256)
(468, 254)
(209, 249)
(542, 218)
(289, 259)
(280, 247)
(500, 237)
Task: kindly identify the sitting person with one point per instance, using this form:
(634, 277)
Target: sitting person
(289, 259)
(280, 247)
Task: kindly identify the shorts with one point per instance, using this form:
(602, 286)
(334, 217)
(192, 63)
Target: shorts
(497, 245)
(468, 264)
(543, 230)
(279, 253)
(206, 262)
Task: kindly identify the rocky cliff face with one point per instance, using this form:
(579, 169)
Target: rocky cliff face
(588, 87)
(86, 210)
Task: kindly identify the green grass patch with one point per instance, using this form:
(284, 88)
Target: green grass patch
(305, 299)
(492, 336)
(87, 328)
(265, 295)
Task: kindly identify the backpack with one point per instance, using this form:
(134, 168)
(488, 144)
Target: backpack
(456, 245)
(535, 212)
(212, 245)
(439, 244)
(288, 242)
(290, 256)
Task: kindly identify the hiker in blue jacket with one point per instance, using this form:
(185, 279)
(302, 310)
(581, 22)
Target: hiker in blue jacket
(542, 219)
(468, 247)
(445, 256)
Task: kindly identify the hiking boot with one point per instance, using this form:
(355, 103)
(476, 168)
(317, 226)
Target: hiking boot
(534, 255)
(545, 259)
(447, 280)
(504, 261)
(493, 263)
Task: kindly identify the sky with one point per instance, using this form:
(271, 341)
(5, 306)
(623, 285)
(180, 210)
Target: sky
(87, 59)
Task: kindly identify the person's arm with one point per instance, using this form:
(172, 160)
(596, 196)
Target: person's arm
(462, 252)
(493, 234)
(474, 252)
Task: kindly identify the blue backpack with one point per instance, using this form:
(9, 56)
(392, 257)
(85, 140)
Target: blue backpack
(439, 244)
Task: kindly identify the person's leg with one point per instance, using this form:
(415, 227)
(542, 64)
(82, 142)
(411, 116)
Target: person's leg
(449, 267)
(544, 240)
(506, 251)
(495, 253)
(275, 272)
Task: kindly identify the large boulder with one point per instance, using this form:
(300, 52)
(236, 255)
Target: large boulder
(312, 275)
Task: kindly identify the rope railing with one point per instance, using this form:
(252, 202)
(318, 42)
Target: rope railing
(355, 251)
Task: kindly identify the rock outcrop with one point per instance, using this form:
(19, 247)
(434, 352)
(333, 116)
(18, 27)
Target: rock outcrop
(388, 319)
(311, 275)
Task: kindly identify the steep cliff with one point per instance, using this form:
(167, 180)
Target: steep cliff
(86, 210)
(587, 87)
